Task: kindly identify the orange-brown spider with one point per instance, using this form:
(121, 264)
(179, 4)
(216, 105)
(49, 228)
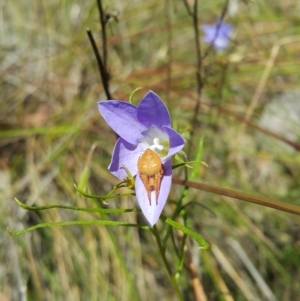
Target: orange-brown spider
(150, 170)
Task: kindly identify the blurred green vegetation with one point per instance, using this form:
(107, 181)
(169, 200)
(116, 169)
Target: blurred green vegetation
(49, 123)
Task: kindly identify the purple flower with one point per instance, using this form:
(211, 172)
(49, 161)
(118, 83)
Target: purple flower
(217, 34)
(142, 127)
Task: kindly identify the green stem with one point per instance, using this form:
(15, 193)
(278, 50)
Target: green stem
(104, 197)
(163, 255)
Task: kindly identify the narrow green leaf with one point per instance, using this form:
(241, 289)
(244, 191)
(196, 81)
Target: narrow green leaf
(99, 210)
(80, 222)
(129, 181)
(199, 154)
(84, 177)
(132, 93)
(56, 130)
(187, 164)
(83, 181)
(203, 244)
(102, 197)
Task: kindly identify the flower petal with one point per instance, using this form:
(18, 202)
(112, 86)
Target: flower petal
(224, 27)
(125, 154)
(151, 111)
(153, 211)
(209, 33)
(176, 141)
(217, 34)
(122, 118)
(221, 43)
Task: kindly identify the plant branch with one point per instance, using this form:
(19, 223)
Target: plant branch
(162, 251)
(211, 46)
(194, 15)
(287, 207)
(250, 123)
(103, 21)
(103, 73)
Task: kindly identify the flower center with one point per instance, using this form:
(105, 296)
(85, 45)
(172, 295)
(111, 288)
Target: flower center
(156, 141)
(160, 147)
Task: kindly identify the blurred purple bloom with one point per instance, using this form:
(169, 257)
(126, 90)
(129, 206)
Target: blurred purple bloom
(217, 34)
(147, 125)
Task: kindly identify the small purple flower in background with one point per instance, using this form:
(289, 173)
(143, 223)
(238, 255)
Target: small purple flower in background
(217, 34)
(143, 127)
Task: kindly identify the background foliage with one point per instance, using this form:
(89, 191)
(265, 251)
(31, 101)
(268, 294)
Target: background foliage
(51, 132)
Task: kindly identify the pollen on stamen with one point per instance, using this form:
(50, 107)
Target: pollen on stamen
(156, 141)
(159, 148)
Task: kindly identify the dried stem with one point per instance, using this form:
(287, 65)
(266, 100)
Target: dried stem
(102, 62)
(196, 282)
(283, 206)
(265, 75)
(104, 75)
(103, 21)
(194, 14)
(252, 124)
(211, 46)
(169, 50)
(199, 65)
(162, 251)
